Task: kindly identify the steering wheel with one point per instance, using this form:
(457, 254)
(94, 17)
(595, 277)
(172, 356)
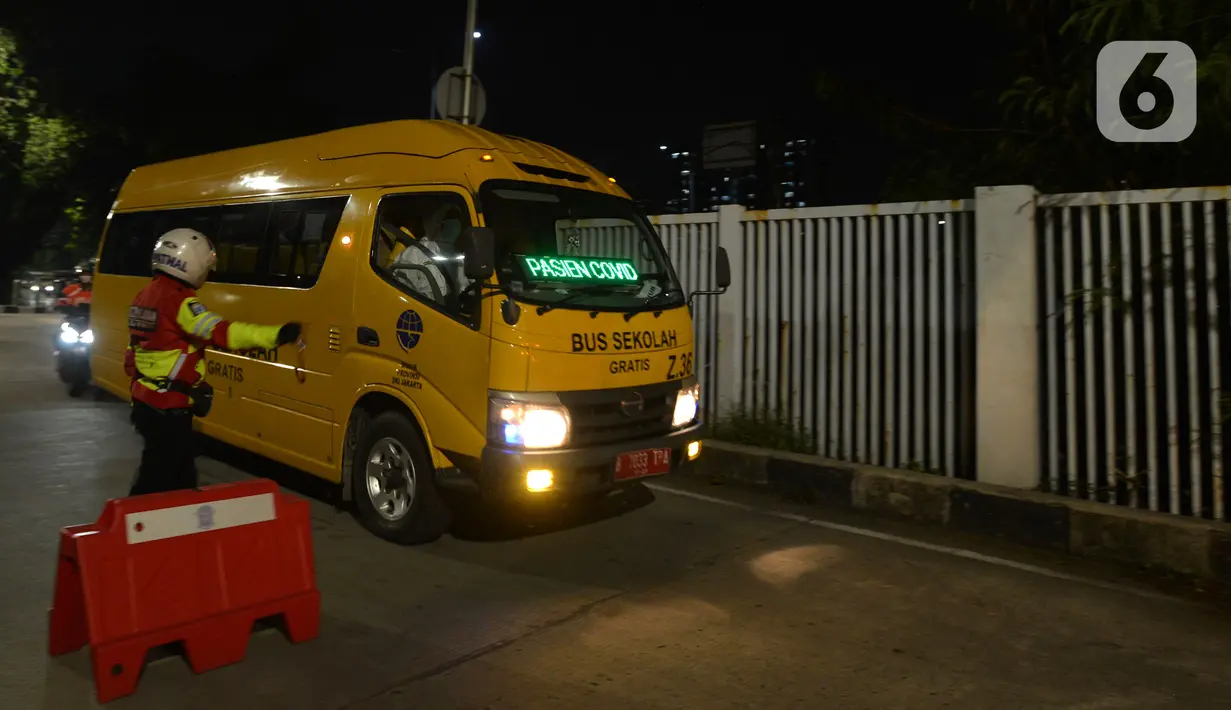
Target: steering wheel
(431, 256)
(431, 281)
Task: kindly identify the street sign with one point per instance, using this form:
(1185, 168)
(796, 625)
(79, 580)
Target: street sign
(450, 91)
(730, 145)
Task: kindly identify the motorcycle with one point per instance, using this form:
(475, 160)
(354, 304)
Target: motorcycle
(72, 350)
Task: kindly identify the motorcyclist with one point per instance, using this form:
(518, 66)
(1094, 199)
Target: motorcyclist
(80, 291)
(169, 329)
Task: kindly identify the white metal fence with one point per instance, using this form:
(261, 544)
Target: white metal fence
(852, 323)
(864, 326)
(1135, 295)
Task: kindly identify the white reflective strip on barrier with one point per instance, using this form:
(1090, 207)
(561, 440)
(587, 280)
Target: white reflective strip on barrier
(191, 519)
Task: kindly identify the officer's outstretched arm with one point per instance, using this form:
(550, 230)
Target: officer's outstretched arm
(200, 322)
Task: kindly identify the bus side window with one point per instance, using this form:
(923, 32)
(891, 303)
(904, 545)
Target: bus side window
(240, 232)
(119, 242)
(299, 237)
(426, 261)
(129, 242)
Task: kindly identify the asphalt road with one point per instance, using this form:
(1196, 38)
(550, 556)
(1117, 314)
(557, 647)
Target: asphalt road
(687, 597)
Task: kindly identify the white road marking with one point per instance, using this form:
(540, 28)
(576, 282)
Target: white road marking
(942, 549)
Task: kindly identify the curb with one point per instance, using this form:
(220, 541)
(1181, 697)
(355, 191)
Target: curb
(1157, 542)
(26, 309)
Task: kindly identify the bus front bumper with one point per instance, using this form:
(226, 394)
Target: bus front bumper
(592, 470)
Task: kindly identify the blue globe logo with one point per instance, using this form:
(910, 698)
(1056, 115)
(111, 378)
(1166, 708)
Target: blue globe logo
(410, 329)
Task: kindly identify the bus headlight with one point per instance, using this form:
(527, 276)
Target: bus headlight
(529, 426)
(687, 403)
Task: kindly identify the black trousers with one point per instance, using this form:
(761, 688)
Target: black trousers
(168, 460)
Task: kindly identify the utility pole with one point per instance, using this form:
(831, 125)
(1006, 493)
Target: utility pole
(431, 94)
(468, 59)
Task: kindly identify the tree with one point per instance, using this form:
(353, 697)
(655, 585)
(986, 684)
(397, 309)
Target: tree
(36, 149)
(75, 235)
(1039, 108)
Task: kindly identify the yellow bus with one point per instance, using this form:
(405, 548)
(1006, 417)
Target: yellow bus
(482, 313)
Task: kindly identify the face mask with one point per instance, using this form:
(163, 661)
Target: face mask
(450, 231)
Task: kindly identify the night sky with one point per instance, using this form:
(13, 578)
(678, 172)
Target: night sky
(608, 82)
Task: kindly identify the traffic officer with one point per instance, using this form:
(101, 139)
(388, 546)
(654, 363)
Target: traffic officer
(169, 329)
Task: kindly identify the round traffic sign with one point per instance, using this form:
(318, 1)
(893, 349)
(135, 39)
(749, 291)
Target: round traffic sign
(450, 90)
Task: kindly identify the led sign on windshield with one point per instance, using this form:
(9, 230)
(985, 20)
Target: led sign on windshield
(587, 269)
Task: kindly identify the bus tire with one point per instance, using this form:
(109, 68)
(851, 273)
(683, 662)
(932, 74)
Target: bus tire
(394, 483)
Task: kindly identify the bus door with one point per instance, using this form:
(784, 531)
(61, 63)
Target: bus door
(414, 314)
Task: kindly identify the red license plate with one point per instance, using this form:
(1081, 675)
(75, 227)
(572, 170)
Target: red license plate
(638, 464)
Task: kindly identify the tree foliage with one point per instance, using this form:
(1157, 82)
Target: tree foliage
(36, 150)
(74, 236)
(1039, 108)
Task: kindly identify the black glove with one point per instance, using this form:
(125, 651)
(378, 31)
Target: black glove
(289, 333)
(202, 399)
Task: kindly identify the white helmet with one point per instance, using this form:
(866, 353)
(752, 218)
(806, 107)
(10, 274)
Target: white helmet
(185, 254)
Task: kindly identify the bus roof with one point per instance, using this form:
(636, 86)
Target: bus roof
(375, 155)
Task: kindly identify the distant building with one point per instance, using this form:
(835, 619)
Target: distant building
(794, 178)
(779, 170)
(681, 195)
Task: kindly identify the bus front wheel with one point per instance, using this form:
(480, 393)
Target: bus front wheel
(395, 483)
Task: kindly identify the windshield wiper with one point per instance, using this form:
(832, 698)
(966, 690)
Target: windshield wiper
(651, 303)
(572, 296)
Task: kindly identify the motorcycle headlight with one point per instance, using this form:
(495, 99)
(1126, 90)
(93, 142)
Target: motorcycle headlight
(87, 337)
(527, 425)
(687, 404)
(69, 335)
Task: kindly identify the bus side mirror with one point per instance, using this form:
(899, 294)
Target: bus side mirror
(722, 277)
(722, 270)
(478, 245)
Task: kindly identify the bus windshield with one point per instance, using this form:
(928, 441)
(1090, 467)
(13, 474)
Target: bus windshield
(570, 248)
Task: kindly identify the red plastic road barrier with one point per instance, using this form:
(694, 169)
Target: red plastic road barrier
(192, 566)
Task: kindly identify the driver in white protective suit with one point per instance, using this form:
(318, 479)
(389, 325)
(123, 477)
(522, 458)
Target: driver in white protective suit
(437, 252)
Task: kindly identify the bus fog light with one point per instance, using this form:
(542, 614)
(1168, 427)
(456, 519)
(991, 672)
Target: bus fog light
(540, 479)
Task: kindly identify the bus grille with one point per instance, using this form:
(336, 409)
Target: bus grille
(611, 416)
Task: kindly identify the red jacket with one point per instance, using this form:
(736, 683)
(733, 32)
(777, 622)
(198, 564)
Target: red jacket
(169, 329)
(75, 294)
